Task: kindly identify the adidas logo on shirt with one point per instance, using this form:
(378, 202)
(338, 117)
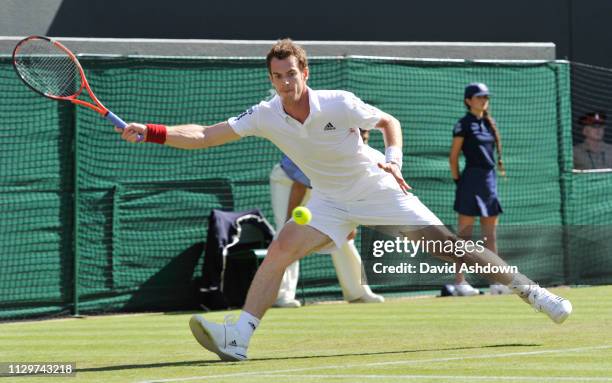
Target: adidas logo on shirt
(329, 126)
(233, 343)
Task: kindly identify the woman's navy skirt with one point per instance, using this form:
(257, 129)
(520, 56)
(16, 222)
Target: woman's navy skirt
(476, 193)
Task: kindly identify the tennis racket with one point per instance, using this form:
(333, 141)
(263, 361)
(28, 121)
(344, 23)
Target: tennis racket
(52, 70)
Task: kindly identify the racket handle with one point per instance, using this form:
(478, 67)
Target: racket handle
(118, 122)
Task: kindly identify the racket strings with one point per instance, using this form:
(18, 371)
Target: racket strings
(52, 76)
(47, 68)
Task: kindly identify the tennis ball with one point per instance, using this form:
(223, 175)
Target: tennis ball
(301, 215)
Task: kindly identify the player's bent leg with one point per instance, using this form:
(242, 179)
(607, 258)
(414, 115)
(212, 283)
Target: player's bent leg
(485, 257)
(294, 242)
(396, 214)
(280, 190)
(231, 339)
(557, 308)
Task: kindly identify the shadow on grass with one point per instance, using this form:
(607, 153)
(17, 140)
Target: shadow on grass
(201, 363)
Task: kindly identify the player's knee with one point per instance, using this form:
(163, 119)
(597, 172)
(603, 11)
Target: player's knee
(289, 249)
(280, 255)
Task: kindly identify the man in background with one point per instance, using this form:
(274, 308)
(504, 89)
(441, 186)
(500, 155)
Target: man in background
(593, 152)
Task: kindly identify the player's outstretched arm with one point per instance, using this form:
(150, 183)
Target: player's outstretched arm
(189, 136)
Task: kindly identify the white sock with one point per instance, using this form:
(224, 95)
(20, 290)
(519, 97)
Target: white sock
(246, 325)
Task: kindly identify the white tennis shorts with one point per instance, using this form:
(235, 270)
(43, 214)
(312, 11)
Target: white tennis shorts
(387, 207)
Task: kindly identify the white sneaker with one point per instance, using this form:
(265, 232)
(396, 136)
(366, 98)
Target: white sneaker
(287, 303)
(499, 289)
(369, 297)
(556, 307)
(465, 290)
(222, 339)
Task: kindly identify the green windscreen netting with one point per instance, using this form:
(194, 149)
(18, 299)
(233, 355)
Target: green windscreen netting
(122, 226)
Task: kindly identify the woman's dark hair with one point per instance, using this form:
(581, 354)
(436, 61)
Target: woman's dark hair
(487, 117)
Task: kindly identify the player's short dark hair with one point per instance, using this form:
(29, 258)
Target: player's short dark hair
(286, 48)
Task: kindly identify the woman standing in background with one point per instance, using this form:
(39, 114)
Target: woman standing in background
(476, 135)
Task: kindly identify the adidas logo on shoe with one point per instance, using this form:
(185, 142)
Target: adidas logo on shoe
(329, 126)
(216, 338)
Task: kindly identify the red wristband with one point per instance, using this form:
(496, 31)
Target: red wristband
(156, 133)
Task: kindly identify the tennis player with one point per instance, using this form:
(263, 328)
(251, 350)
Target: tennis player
(352, 184)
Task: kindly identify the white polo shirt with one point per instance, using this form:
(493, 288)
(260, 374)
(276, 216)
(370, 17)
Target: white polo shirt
(327, 147)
